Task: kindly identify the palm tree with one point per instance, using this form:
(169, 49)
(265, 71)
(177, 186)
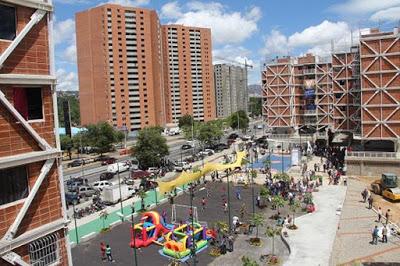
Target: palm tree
(271, 232)
(257, 220)
(142, 194)
(279, 202)
(294, 207)
(103, 216)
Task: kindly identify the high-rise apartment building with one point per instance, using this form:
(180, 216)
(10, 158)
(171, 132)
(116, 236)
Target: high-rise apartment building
(230, 89)
(120, 66)
(188, 73)
(356, 91)
(33, 222)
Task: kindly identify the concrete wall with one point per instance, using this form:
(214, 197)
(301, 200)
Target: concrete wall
(372, 168)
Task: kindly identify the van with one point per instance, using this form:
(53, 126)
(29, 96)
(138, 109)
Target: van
(118, 167)
(101, 184)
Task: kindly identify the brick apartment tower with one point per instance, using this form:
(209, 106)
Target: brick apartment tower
(380, 85)
(120, 66)
(32, 206)
(297, 93)
(188, 73)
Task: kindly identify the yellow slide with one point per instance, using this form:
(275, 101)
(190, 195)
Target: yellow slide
(188, 177)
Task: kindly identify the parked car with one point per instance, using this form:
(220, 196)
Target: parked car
(87, 191)
(75, 163)
(101, 184)
(118, 167)
(153, 170)
(207, 152)
(72, 198)
(74, 183)
(186, 147)
(106, 176)
(109, 160)
(182, 166)
(233, 136)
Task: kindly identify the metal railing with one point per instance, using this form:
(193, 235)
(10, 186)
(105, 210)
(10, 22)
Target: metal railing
(371, 154)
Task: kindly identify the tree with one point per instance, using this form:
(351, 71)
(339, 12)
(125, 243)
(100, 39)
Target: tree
(279, 202)
(257, 220)
(255, 106)
(66, 145)
(185, 121)
(101, 136)
(271, 232)
(284, 177)
(249, 262)
(73, 100)
(294, 207)
(103, 216)
(264, 194)
(239, 117)
(209, 133)
(150, 148)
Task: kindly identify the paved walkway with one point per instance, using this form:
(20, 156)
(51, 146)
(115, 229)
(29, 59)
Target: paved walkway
(312, 243)
(352, 244)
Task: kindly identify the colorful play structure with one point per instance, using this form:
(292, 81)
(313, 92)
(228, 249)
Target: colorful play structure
(178, 240)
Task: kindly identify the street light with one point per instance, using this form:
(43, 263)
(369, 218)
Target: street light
(252, 184)
(120, 192)
(193, 248)
(134, 234)
(282, 155)
(229, 200)
(76, 226)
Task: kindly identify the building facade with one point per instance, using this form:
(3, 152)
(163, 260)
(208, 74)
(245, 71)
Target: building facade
(188, 73)
(230, 89)
(120, 66)
(33, 222)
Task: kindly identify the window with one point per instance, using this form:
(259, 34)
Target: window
(7, 22)
(45, 251)
(28, 102)
(13, 184)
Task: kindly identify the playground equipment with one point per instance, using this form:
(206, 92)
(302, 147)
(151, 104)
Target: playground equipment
(179, 212)
(151, 229)
(180, 241)
(188, 177)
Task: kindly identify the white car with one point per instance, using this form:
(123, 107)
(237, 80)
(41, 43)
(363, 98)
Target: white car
(207, 152)
(182, 166)
(118, 167)
(153, 170)
(101, 184)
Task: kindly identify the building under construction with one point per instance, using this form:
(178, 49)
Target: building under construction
(356, 91)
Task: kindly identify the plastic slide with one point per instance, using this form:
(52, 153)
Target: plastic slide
(149, 230)
(188, 177)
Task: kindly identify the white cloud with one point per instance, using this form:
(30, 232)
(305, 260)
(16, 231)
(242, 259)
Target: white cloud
(129, 2)
(391, 14)
(316, 39)
(275, 44)
(66, 81)
(226, 26)
(363, 6)
(64, 31)
(171, 10)
(69, 54)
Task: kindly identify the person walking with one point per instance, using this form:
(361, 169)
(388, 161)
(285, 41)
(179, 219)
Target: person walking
(379, 214)
(364, 195)
(258, 200)
(387, 216)
(370, 201)
(225, 206)
(108, 253)
(384, 234)
(203, 204)
(103, 251)
(375, 235)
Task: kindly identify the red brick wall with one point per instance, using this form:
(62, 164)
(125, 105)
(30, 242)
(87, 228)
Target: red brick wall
(14, 139)
(31, 56)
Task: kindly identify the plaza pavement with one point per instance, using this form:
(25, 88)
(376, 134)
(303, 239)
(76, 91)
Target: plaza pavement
(352, 244)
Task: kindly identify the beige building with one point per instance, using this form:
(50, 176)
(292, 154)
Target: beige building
(230, 89)
(188, 73)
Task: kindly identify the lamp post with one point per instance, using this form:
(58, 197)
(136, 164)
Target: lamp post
(193, 248)
(134, 235)
(252, 185)
(76, 226)
(229, 200)
(282, 155)
(120, 192)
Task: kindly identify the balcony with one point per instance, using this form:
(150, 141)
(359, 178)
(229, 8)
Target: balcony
(310, 112)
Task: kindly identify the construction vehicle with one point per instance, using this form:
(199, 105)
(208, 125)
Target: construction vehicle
(387, 186)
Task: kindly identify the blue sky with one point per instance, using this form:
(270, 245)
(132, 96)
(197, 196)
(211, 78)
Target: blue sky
(251, 30)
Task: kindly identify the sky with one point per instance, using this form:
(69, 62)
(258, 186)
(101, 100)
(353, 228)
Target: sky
(243, 30)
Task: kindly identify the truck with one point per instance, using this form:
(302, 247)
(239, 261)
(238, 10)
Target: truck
(118, 167)
(111, 194)
(387, 186)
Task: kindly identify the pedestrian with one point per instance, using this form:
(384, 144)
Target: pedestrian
(387, 216)
(225, 206)
(203, 204)
(103, 251)
(384, 234)
(364, 195)
(108, 253)
(258, 200)
(164, 216)
(379, 214)
(238, 196)
(370, 201)
(375, 235)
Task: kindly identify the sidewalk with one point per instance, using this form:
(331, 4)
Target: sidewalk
(312, 243)
(353, 237)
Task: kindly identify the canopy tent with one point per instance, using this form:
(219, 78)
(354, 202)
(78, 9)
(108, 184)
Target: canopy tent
(188, 177)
